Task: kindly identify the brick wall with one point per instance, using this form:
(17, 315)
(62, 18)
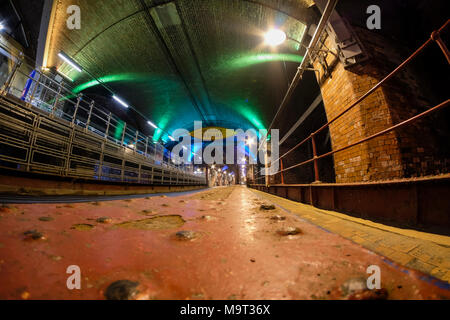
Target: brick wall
(412, 151)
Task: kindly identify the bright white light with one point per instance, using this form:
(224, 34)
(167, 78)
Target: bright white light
(184, 147)
(171, 138)
(152, 124)
(120, 101)
(2, 26)
(275, 37)
(72, 63)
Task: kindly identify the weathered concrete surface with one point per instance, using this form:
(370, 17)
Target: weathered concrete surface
(227, 247)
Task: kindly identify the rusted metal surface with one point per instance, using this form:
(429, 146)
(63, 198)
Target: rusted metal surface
(411, 202)
(52, 130)
(217, 244)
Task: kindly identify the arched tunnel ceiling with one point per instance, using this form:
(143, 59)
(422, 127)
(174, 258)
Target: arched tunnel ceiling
(184, 60)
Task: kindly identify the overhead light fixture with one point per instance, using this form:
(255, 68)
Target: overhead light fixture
(120, 101)
(152, 124)
(70, 61)
(275, 37)
(171, 138)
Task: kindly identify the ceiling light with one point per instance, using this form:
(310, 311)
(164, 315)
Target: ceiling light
(152, 124)
(120, 101)
(171, 138)
(70, 61)
(275, 37)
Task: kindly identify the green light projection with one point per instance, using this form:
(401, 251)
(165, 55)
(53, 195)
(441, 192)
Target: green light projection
(119, 130)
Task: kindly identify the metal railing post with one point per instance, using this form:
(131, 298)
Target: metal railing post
(76, 108)
(436, 36)
(266, 165)
(316, 164)
(136, 141)
(100, 165)
(123, 133)
(139, 173)
(146, 146)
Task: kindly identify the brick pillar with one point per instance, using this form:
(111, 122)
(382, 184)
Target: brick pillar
(398, 154)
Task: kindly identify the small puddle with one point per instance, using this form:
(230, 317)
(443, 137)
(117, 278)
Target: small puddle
(154, 223)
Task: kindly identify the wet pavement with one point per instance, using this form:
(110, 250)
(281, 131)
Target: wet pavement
(223, 243)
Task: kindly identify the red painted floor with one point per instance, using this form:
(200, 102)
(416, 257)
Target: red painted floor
(237, 254)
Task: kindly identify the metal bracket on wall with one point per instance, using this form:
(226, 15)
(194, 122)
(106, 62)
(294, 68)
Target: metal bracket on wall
(351, 50)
